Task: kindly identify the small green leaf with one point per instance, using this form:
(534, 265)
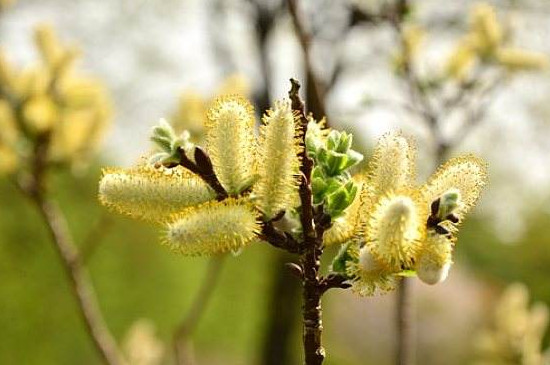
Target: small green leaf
(407, 273)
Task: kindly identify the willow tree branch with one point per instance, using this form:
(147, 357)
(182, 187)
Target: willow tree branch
(202, 166)
(79, 280)
(189, 324)
(312, 245)
(34, 188)
(315, 89)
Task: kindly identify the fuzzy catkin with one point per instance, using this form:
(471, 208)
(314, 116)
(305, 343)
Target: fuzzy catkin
(394, 229)
(213, 227)
(435, 259)
(467, 174)
(278, 162)
(393, 164)
(231, 142)
(152, 194)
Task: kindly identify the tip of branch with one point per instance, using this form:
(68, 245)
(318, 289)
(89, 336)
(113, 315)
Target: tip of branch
(295, 88)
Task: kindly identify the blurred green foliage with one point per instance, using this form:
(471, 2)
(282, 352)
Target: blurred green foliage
(134, 277)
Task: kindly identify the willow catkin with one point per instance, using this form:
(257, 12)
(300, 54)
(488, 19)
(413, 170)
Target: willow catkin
(230, 142)
(152, 194)
(278, 162)
(213, 227)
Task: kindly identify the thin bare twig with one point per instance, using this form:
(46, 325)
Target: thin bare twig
(35, 188)
(80, 281)
(188, 325)
(316, 91)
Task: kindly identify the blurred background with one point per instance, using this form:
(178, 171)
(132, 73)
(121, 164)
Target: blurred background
(169, 59)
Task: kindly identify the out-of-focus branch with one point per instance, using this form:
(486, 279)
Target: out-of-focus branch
(182, 346)
(80, 281)
(35, 189)
(316, 92)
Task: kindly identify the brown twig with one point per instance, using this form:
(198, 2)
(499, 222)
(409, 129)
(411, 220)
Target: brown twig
(188, 325)
(315, 90)
(80, 281)
(313, 248)
(81, 286)
(202, 166)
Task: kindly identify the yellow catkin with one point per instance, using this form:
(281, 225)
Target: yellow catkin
(486, 28)
(40, 113)
(190, 115)
(85, 120)
(395, 226)
(434, 259)
(369, 276)
(153, 194)
(278, 162)
(213, 227)
(231, 142)
(393, 164)
(49, 45)
(517, 59)
(9, 160)
(347, 226)
(461, 61)
(234, 84)
(467, 174)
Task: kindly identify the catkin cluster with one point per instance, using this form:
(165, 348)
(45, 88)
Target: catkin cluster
(258, 173)
(387, 225)
(400, 228)
(487, 43)
(53, 102)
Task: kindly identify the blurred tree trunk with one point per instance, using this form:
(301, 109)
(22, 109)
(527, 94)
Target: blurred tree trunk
(283, 314)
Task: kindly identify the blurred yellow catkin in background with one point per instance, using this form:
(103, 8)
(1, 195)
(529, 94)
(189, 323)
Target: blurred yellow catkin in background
(487, 43)
(50, 100)
(516, 332)
(190, 113)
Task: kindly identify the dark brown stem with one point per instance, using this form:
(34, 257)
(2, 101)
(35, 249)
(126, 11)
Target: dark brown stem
(313, 248)
(279, 239)
(202, 166)
(189, 324)
(404, 345)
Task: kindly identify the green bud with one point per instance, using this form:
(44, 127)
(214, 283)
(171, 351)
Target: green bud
(322, 156)
(163, 143)
(164, 129)
(336, 163)
(333, 140)
(448, 203)
(313, 139)
(345, 142)
(342, 198)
